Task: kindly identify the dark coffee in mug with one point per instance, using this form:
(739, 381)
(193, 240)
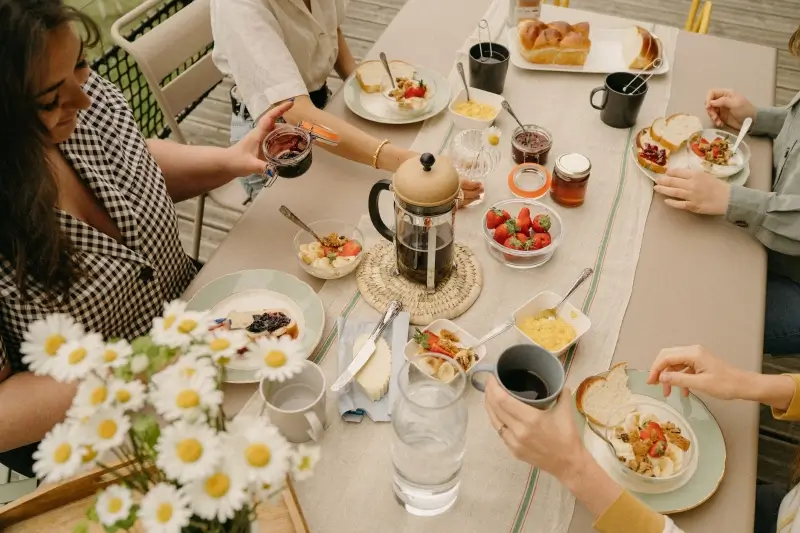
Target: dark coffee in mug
(622, 97)
(523, 381)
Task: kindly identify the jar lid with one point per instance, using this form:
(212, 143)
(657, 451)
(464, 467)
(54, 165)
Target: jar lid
(426, 182)
(529, 180)
(573, 166)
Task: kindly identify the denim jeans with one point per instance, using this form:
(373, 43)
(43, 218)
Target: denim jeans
(782, 318)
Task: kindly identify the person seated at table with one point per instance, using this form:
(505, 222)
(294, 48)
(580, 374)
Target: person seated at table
(550, 440)
(771, 217)
(89, 227)
(276, 50)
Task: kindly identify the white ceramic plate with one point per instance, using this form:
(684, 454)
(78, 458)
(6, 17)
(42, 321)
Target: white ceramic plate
(251, 290)
(680, 159)
(376, 108)
(412, 348)
(605, 56)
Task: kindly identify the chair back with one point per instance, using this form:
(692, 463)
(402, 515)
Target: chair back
(698, 24)
(183, 39)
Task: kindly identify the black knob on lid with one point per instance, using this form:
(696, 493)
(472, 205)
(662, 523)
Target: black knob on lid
(427, 161)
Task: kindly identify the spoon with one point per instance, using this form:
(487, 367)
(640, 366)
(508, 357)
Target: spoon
(552, 313)
(388, 70)
(494, 332)
(742, 132)
(460, 69)
(601, 436)
(291, 216)
(507, 107)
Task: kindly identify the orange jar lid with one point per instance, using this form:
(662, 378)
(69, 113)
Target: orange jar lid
(529, 180)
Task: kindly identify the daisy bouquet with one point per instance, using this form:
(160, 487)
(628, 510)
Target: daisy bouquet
(155, 405)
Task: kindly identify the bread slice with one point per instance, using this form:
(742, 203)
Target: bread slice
(644, 138)
(678, 129)
(243, 319)
(599, 397)
(370, 74)
(657, 129)
(639, 48)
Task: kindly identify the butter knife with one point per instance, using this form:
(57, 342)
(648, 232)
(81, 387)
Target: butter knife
(368, 349)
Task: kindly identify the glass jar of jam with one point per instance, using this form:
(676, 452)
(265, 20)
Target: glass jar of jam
(287, 149)
(531, 145)
(570, 179)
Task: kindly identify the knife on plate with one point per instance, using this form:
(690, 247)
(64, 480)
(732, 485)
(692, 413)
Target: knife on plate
(369, 347)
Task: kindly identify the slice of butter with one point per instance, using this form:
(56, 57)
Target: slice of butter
(374, 376)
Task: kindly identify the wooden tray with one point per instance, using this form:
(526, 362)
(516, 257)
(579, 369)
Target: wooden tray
(58, 508)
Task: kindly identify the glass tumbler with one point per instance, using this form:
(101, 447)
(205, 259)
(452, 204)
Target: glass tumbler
(429, 422)
(473, 157)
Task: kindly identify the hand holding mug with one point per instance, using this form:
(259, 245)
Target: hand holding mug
(695, 191)
(728, 108)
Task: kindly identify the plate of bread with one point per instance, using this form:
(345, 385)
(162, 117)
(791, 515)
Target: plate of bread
(679, 141)
(659, 444)
(262, 303)
(417, 93)
(563, 47)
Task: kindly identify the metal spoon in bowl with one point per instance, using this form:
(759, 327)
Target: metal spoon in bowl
(600, 435)
(507, 107)
(552, 313)
(494, 332)
(291, 216)
(460, 69)
(388, 70)
(742, 132)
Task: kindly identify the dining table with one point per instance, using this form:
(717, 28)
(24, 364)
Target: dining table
(696, 279)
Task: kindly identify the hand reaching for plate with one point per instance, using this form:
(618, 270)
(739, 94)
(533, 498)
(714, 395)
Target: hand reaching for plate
(695, 368)
(726, 107)
(695, 191)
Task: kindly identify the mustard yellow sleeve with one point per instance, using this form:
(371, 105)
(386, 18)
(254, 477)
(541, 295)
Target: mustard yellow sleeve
(793, 411)
(629, 515)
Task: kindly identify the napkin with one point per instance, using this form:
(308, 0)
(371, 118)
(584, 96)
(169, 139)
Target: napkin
(353, 403)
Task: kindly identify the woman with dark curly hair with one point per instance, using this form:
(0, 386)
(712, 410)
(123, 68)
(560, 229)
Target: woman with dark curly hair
(88, 227)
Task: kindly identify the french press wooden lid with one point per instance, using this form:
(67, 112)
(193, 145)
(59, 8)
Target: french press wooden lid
(427, 181)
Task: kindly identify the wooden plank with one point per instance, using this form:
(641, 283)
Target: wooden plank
(776, 460)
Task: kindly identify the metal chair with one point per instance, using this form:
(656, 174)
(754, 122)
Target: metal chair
(162, 51)
(13, 490)
(699, 24)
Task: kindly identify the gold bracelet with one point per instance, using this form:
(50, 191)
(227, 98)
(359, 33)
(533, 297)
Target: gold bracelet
(377, 153)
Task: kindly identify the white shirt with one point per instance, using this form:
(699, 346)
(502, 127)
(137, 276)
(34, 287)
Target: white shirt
(275, 49)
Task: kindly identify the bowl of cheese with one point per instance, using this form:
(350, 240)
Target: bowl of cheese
(479, 112)
(536, 324)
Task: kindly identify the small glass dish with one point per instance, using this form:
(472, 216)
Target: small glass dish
(473, 157)
(523, 259)
(737, 162)
(323, 267)
(407, 106)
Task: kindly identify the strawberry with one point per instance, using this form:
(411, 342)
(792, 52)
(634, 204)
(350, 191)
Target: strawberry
(652, 432)
(505, 230)
(430, 342)
(495, 217)
(418, 91)
(514, 243)
(351, 249)
(541, 240)
(658, 449)
(524, 220)
(522, 237)
(541, 223)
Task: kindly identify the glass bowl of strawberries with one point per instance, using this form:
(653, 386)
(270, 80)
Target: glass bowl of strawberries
(339, 253)
(522, 233)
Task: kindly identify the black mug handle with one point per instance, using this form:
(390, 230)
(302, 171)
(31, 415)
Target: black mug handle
(605, 98)
(374, 208)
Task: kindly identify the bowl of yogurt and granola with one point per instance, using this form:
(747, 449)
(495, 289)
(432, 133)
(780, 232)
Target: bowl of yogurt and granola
(339, 253)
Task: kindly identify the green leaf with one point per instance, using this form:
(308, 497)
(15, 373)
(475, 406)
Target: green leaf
(141, 344)
(128, 522)
(82, 527)
(146, 427)
(124, 373)
(91, 514)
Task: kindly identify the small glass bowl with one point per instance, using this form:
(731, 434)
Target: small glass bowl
(324, 228)
(523, 259)
(473, 157)
(698, 163)
(413, 107)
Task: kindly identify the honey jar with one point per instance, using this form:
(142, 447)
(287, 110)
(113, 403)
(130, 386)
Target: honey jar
(570, 179)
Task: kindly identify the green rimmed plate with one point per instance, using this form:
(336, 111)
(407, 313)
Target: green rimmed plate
(263, 289)
(712, 454)
(374, 107)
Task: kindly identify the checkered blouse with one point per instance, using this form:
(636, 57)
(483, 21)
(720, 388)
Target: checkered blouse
(125, 285)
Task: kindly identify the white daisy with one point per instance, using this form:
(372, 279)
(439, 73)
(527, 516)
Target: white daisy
(106, 429)
(93, 393)
(44, 338)
(187, 398)
(172, 310)
(260, 449)
(279, 359)
(304, 459)
(88, 457)
(75, 359)
(187, 366)
(268, 492)
(113, 505)
(116, 354)
(58, 456)
(219, 494)
(187, 452)
(178, 328)
(127, 395)
(222, 345)
(492, 136)
(139, 363)
(164, 509)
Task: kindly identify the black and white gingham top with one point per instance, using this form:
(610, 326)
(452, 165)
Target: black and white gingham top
(125, 286)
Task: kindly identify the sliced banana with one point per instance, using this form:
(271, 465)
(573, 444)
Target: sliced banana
(446, 372)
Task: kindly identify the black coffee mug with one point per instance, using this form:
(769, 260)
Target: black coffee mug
(488, 66)
(622, 99)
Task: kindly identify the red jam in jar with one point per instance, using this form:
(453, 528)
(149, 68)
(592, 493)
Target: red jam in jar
(570, 179)
(531, 145)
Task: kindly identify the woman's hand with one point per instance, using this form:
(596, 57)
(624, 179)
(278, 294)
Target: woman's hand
(246, 157)
(472, 191)
(695, 191)
(728, 108)
(545, 439)
(693, 368)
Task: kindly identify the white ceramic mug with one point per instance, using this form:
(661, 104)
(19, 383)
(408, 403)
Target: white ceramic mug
(297, 406)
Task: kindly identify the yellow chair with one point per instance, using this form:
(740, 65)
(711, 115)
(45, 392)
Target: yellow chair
(561, 3)
(698, 24)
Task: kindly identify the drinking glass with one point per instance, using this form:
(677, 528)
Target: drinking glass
(429, 422)
(473, 157)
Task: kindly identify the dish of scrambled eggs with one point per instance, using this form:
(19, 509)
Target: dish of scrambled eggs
(473, 109)
(548, 331)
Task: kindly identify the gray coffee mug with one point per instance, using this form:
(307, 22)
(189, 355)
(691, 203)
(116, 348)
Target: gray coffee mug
(529, 373)
(297, 406)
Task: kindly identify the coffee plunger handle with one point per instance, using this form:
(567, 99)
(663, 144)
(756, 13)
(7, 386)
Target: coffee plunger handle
(374, 209)
(427, 161)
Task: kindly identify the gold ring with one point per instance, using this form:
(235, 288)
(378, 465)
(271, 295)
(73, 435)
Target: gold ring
(501, 430)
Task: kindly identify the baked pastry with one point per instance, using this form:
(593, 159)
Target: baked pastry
(674, 131)
(650, 153)
(599, 397)
(556, 43)
(640, 48)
